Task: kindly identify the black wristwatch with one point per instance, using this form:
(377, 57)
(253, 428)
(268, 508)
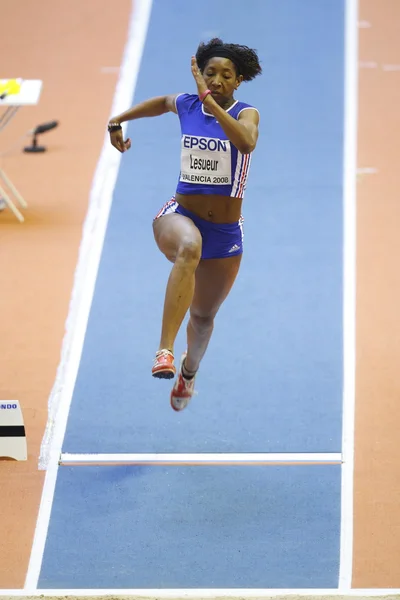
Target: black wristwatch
(114, 126)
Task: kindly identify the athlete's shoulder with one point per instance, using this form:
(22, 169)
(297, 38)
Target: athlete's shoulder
(241, 106)
(184, 102)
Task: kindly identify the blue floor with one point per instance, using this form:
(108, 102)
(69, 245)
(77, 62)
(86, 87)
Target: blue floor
(200, 527)
(272, 378)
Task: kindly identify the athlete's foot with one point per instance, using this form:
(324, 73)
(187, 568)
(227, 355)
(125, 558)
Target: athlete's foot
(183, 388)
(163, 366)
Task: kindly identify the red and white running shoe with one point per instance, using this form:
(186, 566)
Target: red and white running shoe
(183, 389)
(163, 366)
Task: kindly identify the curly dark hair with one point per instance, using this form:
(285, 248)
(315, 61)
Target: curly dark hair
(244, 58)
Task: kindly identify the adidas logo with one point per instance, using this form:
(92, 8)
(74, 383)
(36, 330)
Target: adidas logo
(234, 248)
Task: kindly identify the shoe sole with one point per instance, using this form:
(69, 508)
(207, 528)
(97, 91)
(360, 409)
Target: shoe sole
(164, 374)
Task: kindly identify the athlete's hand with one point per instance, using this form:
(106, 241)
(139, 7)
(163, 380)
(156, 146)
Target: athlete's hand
(198, 77)
(117, 140)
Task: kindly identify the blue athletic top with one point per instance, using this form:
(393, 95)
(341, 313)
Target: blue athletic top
(210, 163)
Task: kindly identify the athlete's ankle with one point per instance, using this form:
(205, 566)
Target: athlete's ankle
(187, 373)
(169, 348)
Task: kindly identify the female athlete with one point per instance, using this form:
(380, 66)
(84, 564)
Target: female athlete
(200, 229)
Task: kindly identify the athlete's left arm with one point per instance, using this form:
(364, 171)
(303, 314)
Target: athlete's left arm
(250, 119)
(242, 132)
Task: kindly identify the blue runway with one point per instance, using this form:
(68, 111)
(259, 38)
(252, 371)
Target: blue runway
(200, 527)
(273, 376)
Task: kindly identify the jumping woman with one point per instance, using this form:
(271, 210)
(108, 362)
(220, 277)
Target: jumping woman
(200, 229)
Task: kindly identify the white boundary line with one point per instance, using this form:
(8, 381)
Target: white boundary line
(84, 284)
(349, 297)
(237, 459)
(181, 594)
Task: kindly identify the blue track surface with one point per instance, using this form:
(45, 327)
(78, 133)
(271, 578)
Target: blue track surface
(215, 527)
(272, 378)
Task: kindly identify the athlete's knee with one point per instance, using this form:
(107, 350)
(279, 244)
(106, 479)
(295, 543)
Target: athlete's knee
(201, 323)
(189, 250)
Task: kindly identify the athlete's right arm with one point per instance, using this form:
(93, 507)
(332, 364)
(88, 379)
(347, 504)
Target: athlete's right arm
(149, 108)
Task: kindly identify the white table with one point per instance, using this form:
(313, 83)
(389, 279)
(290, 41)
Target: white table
(28, 95)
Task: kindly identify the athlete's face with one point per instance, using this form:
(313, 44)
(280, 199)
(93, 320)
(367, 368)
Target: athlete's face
(221, 78)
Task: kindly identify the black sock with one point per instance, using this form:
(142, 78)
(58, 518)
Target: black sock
(187, 374)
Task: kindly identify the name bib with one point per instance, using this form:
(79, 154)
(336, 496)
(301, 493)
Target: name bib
(205, 160)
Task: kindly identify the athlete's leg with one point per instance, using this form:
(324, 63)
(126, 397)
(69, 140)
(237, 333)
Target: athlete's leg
(214, 280)
(179, 239)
